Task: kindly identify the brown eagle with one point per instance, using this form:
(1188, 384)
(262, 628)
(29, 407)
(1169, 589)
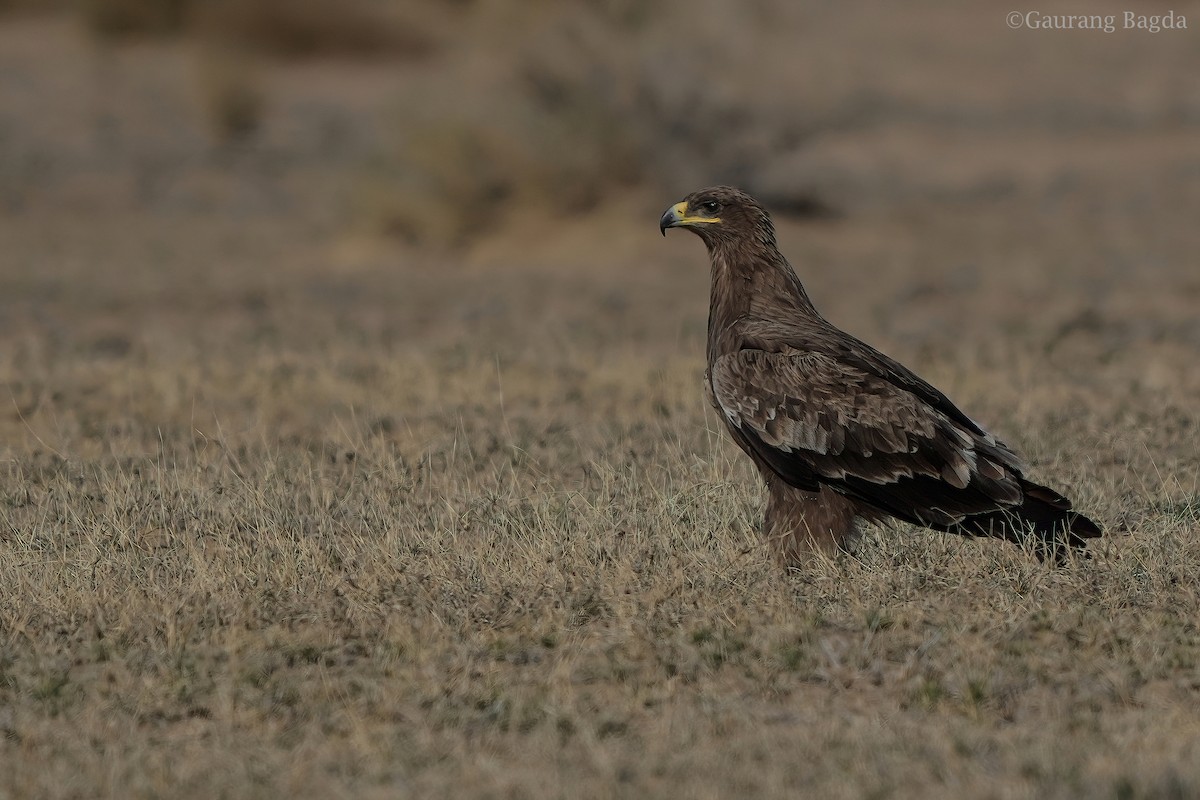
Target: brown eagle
(838, 430)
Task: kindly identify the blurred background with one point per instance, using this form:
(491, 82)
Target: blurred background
(436, 121)
(284, 170)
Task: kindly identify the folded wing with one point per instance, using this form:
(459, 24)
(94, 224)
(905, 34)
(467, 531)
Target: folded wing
(816, 419)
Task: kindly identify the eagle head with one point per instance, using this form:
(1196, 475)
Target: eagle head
(720, 213)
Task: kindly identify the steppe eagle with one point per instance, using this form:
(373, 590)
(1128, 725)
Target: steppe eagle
(838, 430)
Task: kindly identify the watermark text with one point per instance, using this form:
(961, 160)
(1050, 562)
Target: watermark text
(1106, 23)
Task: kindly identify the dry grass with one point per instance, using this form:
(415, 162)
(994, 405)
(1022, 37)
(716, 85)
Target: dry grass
(273, 543)
(287, 513)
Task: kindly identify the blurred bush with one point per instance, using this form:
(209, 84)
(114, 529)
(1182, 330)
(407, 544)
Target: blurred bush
(230, 93)
(302, 28)
(134, 17)
(547, 118)
(510, 104)
(289, 28)
(21, 6)
(557, 105)
(36, 6)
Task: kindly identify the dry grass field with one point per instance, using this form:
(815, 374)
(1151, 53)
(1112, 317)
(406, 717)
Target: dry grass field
(296, 501)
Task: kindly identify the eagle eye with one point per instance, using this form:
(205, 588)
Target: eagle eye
(710, 206)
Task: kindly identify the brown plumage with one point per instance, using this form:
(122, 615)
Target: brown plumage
(838, 430)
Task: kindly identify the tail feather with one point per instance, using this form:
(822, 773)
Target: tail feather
(1044, 517)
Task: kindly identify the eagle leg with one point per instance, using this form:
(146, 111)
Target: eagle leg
(798, 523)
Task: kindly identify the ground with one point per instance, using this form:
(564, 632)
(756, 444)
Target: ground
(294, 507)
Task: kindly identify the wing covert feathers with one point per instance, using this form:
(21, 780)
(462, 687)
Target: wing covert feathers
(815, 420)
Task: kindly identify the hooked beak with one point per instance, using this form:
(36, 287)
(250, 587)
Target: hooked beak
(678, 216)
(673, 218)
